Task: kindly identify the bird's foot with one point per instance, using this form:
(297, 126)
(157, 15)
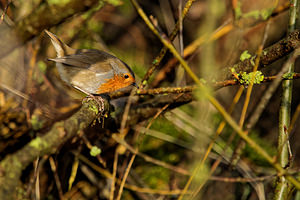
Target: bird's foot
(99, 100)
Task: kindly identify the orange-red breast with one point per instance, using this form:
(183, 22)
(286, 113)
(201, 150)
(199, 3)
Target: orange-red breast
(89, 70)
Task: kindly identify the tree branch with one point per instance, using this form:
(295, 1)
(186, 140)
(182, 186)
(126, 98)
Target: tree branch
(11, 166)
(269, 55)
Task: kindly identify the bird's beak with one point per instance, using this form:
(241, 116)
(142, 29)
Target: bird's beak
(135, 85)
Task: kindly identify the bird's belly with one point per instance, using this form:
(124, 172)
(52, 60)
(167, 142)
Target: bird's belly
(88, 81)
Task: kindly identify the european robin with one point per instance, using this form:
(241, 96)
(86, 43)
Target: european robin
(91, 71)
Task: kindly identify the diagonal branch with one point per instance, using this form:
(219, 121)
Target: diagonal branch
(11, 166)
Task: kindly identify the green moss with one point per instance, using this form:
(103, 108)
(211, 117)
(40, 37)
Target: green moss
(155, 176)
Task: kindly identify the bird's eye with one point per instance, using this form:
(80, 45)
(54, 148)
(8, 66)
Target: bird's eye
(126, 76)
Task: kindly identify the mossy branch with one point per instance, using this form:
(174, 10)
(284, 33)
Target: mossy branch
(11, 166)
(269, 55)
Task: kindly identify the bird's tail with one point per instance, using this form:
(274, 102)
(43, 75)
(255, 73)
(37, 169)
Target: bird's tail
(61, 48)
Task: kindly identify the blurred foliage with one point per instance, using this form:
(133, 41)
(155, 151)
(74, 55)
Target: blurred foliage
(257, 159)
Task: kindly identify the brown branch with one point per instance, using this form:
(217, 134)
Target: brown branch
(188, 89)
(231, 82)
(269, 55)
(11, 166)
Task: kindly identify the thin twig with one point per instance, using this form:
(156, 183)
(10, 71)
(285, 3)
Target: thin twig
(125, 176)
(4, 11)
(113, 181)
(216, 85)
(56, 178)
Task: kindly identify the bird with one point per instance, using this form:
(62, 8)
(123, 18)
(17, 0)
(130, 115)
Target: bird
(91, 71)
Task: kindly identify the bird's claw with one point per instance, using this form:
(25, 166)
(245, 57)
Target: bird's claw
(99, 100)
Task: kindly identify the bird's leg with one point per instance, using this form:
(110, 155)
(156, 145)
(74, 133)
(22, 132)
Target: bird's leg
(99, 99)
(100, 102)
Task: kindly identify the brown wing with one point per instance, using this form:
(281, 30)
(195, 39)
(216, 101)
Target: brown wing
(90, 59)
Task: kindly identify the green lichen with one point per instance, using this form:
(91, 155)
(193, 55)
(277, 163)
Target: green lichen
(94, 25)
(42, 66)
(53, 2)
(288, 75)
(237, 10)
(245, 55)
(246, 78)
(155, 61)
(266, 13)
(94, 108)
(95, 151)
(36, 123)
(265, 52)
(233, 69)
(254, 13)
(252, 61)
(36, 143)
(114, 2)
(203, 81)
